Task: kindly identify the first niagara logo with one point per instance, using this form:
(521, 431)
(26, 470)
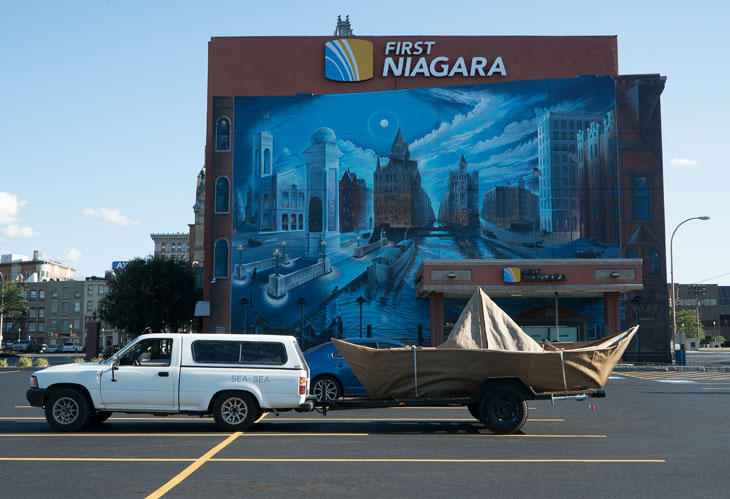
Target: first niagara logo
(512, 274)
(348, 59)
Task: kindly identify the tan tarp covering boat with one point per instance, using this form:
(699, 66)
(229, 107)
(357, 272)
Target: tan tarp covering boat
(485, 343)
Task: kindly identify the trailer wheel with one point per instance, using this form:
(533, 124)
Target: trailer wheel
(503, 410)
(474, 410)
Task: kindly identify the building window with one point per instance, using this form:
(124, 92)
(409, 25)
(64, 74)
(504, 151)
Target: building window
(100, 289)
(221, 195)
(89, 290)
(31, 327)
(89, 306)
(54, 324)
(267, 161)
(32, 313)
(223, 134)
(33, 295)
(40, 327)
(65, 307)
(41, 313)
(54, 306)
(221, 258)
(641, 197)
(42, 294)
(66, 292)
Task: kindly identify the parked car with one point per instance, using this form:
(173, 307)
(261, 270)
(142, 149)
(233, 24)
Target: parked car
(26, 346)
(332, 378)
(70, 346)
(54, 348)
(7, 345)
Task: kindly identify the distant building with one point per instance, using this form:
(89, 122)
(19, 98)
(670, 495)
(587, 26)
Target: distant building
(275, 200)
(356, 203)
(598, 180)
(558, 164)
(399, 198)
(510, 206)
(197, 229)
(55, 315)
(19, 267)
(460, 204)
(173, 246)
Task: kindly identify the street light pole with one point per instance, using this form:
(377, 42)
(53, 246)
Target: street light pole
(671, 271)
(2, 307)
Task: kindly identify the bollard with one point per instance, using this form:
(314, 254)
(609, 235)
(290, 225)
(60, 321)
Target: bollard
(369, 331)
(420, 335)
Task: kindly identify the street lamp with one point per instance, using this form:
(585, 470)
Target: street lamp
(244, 302)
(283, 250)
(360, 300)
(2, 306)
(324, 258)
(636, 300)
(301, 301)
(671, 271)
(277, 253)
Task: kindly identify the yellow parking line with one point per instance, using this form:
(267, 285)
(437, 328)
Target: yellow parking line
(194, 466)
(200, 461)
(396, 460)
(7, 372)
(252, 435)
(715, 388)
(115, 435)
(415, 419)
(23, 406)
(100, 459)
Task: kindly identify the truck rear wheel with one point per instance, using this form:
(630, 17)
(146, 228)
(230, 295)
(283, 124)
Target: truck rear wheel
(67, 410)
(234, 411)
(503, 410)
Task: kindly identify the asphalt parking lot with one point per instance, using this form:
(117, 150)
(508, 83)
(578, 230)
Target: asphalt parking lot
(657, 434)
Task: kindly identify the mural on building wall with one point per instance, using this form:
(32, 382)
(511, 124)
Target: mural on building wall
(340, 197)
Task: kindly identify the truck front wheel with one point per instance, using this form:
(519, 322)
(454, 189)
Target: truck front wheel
(503, 410)
(67, 410)
(234, 411)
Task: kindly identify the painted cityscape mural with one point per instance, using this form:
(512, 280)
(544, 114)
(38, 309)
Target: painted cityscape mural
(337, 199)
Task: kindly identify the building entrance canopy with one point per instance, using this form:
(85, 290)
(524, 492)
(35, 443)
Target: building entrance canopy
(529, 278)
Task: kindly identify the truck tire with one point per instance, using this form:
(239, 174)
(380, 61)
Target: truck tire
(503, 410)
(67, 410)
(99, 417)
(234, 411)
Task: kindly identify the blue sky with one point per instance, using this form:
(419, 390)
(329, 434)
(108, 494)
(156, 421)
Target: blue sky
(102, 108)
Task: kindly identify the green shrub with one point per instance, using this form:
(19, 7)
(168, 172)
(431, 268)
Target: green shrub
(24, 362)
(40, 362)
(79, 360)
(96, 359)
(3, 363)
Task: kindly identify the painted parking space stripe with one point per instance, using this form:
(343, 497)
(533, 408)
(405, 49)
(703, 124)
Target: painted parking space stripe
(305, 460)
(194, 466)
(8, 372)
(287, 434)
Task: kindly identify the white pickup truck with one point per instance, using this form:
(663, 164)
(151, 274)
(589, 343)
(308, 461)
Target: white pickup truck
(234, 377)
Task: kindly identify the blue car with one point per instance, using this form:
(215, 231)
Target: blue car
(331, 377)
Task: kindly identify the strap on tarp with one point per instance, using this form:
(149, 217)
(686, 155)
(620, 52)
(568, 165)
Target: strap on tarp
(562, 365)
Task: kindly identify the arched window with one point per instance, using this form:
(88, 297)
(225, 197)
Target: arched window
(221, 258)
(294, 222)
(284, 221)
(257, 162)
(266, 200)
(223, 134)
(301, 222)
(221, 195)
(267, 161)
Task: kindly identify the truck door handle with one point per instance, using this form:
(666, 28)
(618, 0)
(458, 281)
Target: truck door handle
(163, 374)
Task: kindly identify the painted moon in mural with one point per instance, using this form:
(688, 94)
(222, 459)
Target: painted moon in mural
(383, 122)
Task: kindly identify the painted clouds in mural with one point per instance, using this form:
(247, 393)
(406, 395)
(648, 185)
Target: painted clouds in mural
(337, 198)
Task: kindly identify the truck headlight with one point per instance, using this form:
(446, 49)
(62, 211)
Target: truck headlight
(33, 382)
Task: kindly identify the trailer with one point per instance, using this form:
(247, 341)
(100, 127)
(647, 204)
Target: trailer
(500, 403)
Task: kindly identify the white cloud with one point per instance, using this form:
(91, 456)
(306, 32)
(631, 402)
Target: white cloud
(9, 207)
(73, 255)
(112, 216)
(15, 231)
(683, 162)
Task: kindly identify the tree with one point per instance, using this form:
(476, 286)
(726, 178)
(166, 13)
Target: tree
(12, 302)
(687, 324)
(154, 293)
